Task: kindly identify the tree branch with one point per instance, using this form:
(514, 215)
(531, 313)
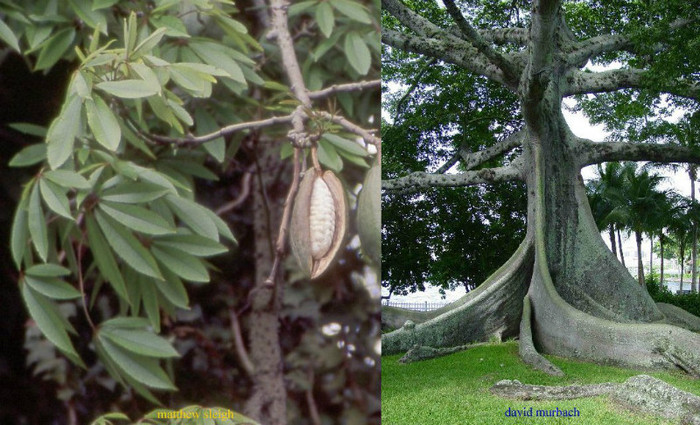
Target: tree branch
(343, 88)
(352, 127)
(542, 45)
(420, 180)
(616, 79)
(595, 153)
(505, 35)
(477, 41)
(594, 46)
(452, 51)
(472, 160)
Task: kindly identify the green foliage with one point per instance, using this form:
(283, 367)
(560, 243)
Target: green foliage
(689, 302)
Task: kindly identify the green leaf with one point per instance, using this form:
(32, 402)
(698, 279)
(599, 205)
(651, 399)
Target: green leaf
(47, 270)
(357, 53)
(103, 123)
(128, 89)
(353, 159)
(49, 320)
(182, 264)
(83, 8)
(133, 193)
(221, 226)
(137, 218)
(353, 10)
(62, 132)
(55, 199)
(205, 125)
(104, 258)
(125, 323)
(300, 7)
(328, 156)
(345, 144)
(54, 49)
(97, 5)
(140, 342)
(19, 234)
(29, 129)
(174, 27)
(220, 57)
(37, 224)
(8, 36)
(196, 83)
(126, 246)
(142, 369)
(369, 215)
(173, 290)
(32, 154)
(67, 179)
(148, 43)
(325, 18)
(149, 297)
(194, 216)
(196, 245)
(52, 287)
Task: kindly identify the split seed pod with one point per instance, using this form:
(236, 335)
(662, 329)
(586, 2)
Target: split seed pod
(318, 221)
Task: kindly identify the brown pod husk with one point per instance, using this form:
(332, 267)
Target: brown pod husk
(299, 231)
(369, 215)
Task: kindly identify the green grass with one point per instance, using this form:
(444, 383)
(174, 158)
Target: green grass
(455, 390)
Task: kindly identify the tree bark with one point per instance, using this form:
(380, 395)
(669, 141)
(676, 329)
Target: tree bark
(613, 243)
(640, 264)
(619, 241)
(661, 246)
(267, 404)
(694, 253)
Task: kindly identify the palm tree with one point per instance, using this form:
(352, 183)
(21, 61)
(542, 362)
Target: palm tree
(680, 231)
(665, 213)
(606, 199)
(640, 208)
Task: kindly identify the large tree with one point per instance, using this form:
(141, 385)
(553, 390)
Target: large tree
(562, 289)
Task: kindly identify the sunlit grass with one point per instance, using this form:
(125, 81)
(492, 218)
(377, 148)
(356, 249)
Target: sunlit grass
(455, 390)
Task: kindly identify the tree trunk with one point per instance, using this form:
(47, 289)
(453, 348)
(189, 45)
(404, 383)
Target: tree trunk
(640, 265)
(613, 243)
(619, 241)
(268, 402)
(694, 253)
(651, 254)
(682, 262)
(661, 246)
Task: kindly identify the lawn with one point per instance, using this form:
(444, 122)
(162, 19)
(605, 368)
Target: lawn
(454, 390)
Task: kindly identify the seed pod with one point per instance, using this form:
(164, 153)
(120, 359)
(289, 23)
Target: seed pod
(318, 221)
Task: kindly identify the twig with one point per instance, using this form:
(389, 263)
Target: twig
(245, 191)
(223, 131)
(81, 285)
(241, 351)
(286, 215)
(313, 408)
(352, 127)
(342, 88)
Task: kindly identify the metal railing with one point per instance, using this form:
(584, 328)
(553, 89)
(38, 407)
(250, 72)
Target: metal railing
(418, 306)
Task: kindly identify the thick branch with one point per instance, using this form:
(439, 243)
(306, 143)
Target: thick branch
(516, 36)
(477, 41)
(595, 153)
(472, 160)
(420, 180)
(616, 79)
(456, 52)
(594, 46)
(542, 44)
